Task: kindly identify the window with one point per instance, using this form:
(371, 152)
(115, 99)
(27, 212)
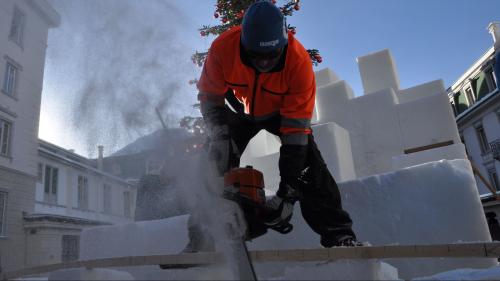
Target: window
(126, 203)
(470, 96)
(17, 27)
(70, 248)
(491, 79)
(40, 172)
(5, 130)
(50, 184)
(483, 141)
(10, 79)
(461, 104)
(107, 198)
(494, 179)
(481, 85)
(454, 108)
(83, 193)
(3, 210)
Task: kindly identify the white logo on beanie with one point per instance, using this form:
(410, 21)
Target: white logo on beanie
(269, 43)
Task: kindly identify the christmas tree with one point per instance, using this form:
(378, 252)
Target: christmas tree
(230, 13)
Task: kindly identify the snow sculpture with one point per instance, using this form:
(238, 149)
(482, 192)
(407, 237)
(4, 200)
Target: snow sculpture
(384, 125)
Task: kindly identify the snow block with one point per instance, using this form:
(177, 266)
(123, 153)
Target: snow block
(433, 203)
(332, 104)
(421, 91)
(378, 72)
(155, 237)
(335, 146)
(376, 135)
(427, 121)
(89, 274)
(450, 152)
(343, 270)
(333, 142)
(325, 76)
(262, 144)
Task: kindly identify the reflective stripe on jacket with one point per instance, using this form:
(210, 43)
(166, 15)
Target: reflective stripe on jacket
(289, 92)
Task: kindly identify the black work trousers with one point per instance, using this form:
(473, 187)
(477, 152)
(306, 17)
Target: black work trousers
(321, 203)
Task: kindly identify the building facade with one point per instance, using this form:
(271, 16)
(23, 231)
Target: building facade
(72, 193)
(24, 26)
(475, 99)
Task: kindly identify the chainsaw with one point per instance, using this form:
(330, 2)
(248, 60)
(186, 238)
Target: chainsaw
(245, 186)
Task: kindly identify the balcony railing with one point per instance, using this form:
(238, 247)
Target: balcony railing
(495, 149)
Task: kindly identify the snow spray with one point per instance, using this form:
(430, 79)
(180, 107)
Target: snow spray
(127, 58)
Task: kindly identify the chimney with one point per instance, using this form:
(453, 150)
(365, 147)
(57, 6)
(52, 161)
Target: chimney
(494, 29)
(99, 159)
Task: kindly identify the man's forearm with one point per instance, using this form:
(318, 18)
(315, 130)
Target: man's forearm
(213, 110)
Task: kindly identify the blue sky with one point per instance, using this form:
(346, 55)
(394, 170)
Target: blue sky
(429, 40)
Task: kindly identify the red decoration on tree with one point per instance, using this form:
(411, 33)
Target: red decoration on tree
(296, 7)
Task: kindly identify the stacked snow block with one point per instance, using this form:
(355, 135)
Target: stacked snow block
(425, 121)
(378, 72)
(333, 102)
(333, 141)
(335, 144)
(388, 127)
(263, 144)
(155, 237)
(433, 203)
(387, 122)
(421, 91)
(376, 133)
(455, 151)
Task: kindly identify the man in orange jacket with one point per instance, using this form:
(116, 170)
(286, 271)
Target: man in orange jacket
(267, 77)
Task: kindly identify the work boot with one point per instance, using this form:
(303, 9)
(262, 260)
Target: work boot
(343, 241)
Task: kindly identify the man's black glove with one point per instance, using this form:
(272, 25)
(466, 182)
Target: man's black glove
(219, 142)
(279, 208)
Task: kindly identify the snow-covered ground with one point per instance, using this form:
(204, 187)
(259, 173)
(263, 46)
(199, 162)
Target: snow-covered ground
(432, 203)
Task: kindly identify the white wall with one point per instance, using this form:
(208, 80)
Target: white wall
(26, 105)
(18, 171)
(491, 126)
(67, 194)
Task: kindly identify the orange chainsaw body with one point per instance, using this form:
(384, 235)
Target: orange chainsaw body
(249, 182)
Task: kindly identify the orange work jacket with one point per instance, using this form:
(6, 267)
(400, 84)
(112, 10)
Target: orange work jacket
(289, 92)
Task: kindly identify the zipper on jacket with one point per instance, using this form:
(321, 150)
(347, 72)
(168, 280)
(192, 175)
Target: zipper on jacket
(256, 81)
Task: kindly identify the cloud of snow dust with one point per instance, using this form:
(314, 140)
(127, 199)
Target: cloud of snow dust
(129, 58)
